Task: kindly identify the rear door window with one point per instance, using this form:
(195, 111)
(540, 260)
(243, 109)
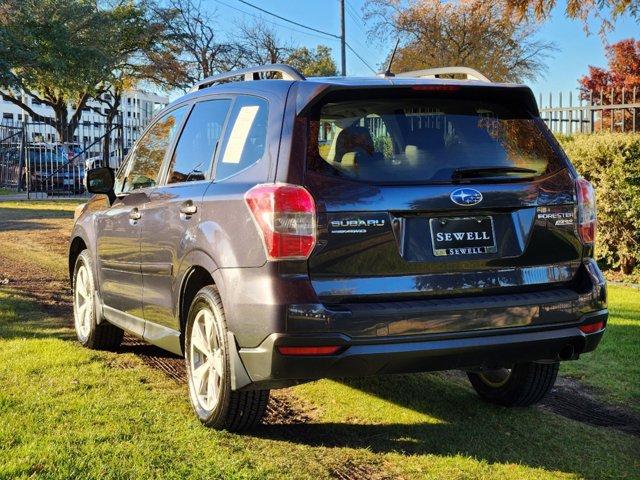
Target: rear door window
(246, 136)
(418, 140)
(196, 147)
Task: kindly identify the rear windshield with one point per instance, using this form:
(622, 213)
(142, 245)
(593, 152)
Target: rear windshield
(418, 140)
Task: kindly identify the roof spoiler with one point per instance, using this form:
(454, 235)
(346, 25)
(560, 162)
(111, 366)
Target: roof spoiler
(309, 94)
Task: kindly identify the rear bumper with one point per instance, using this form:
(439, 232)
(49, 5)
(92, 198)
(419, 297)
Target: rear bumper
(405, 336)
(267, 368)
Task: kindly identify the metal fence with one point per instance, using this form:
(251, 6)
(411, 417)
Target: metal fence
(590, 112)
(34, 162)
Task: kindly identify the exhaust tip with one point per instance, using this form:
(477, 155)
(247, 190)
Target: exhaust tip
(566, 352)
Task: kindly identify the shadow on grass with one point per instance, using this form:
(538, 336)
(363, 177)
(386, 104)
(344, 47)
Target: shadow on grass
(460, 424)
(23, 317)
(22, 219)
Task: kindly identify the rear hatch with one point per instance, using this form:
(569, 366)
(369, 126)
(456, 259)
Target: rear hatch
(437, 192)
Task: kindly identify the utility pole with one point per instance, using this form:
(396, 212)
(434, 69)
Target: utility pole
(343, 41)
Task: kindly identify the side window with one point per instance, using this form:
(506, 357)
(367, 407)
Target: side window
(197, 145)
(144, 166)
(246, 136)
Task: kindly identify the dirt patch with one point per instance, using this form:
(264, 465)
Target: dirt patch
(24, 270)
(351, 470)
(168, 363)
(285, 409)
(573, 400)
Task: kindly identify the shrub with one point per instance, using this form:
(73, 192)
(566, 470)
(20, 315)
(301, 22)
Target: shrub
(611, 161)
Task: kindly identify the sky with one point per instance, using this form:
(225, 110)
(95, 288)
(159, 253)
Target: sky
(575, 49)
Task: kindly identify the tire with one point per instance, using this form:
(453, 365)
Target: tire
(523, 385)
(103, 336)
(209, 369)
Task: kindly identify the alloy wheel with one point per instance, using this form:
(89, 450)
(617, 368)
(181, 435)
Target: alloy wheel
(206, 360)
(83, 302)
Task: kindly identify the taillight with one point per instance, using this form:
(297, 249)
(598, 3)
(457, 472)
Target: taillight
(586, 211)
(286, 217)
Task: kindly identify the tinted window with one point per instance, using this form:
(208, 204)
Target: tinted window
(195, 150)
(144, 166)
(246, 136)
(408, 140)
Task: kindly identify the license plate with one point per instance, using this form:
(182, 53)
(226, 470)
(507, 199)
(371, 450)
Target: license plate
(462, 236)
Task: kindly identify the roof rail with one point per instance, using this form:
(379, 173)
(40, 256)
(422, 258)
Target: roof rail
(251, 73)
(471, 73)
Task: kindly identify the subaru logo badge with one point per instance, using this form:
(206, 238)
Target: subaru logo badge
(466, 197)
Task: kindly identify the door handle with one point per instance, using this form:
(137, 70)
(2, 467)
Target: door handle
(135, 214)
(188, 208)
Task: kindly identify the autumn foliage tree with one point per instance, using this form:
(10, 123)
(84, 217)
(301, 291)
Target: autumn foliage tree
(607, 11)
(615, 84)
(471, 33)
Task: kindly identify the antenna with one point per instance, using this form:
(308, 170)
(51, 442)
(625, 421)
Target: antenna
(387, 72)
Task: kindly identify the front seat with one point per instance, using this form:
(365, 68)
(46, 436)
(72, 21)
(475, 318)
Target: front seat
(353, 146)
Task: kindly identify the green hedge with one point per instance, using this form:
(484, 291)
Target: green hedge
(611, 161)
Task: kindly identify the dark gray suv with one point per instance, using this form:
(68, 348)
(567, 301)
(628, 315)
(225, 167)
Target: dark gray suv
(275, 231)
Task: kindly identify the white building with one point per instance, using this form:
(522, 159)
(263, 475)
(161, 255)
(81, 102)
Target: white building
(137, 107)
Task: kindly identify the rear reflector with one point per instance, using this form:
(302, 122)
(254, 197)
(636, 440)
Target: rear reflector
(302, 351)
(591, 327)
(286, 217)
(586, 211)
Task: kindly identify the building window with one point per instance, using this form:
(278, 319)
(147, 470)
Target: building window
(35, 101)
(7, 116)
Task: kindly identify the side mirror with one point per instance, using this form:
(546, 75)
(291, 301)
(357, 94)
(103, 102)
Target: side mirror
(101, 180)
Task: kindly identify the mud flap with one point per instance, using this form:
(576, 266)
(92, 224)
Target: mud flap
(239, 376)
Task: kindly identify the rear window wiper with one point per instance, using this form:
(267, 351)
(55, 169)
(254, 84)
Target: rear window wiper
(487, 172)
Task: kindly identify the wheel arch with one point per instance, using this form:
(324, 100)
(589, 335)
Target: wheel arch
(196, 271)
(77, 245)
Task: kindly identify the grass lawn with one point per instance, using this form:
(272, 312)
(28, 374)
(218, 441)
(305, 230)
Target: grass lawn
(7, 191)
(68, 412)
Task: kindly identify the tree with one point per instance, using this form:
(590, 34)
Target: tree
(607, 10)
(607, 86)
(472, 33)
(313, 62)
(260, 45)
(193, 50)
(55, 51)
(137, 34)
